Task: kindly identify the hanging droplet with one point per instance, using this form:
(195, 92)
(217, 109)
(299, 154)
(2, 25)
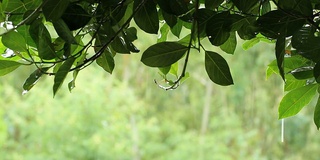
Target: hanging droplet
(24, 92)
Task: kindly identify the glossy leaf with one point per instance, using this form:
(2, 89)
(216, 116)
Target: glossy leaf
(34, 78)
(217, 68)
(14, 41)
(163, 54)
(106, 61)
(63, 31)
(54, 9)
(295, 100)
(61, 74)
(230, 45)
(147, 17)
(8, 66)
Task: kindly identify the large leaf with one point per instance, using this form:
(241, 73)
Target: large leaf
(280, 52)
(245, 5)
(8, 66)
(61, 74)
(34, 78)
(303, 7)
(75, 17)
(218, 69)
(163, 54)
(14, 41)
(54, 9)
(147, 17)
(295, 100)
(279, 23)
(42, 38)
(218, 28)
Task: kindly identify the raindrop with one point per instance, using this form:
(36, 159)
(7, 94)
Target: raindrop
(8, 53)
(24, 92)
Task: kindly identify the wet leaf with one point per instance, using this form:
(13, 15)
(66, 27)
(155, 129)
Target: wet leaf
(34, 78)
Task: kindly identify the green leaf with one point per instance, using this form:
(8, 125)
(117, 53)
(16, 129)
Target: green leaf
(163, 54)
(14, 41)
(34, 78)
(54, 9)
(61, 74)
(316, 72)
(147, 17)
(217, 68)
(296, 99)
(245, 5)
(164, 30)
(278, 23)
(63, 31)
(170, 19)
(203, 16)
(230, 45)
(8, 66)
(176, 30)
(303, 7)
(218, 28)
(266, 7)
(250, 43)
(302, 73)
(72, 83)
(75, 17)
(292, 83)
(213, 3)
(165, 70)
(42, 38)
(280, 52)
(106, 61)
(316, 116)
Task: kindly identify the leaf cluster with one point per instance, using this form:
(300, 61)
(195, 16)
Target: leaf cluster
(62, 36)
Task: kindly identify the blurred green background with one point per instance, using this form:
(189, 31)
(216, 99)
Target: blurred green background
(125, 116)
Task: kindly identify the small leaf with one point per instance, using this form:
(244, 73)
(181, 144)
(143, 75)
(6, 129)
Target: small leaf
(295, 100)
(163, 54)
(147, 17)
(8, 66)
(53, 9)
(63, 31)
(316, 116)
(106, 61)
(34, 78)
(217, 68)
(61, 74)
(250, 43)
(230, 45)
(14, 41)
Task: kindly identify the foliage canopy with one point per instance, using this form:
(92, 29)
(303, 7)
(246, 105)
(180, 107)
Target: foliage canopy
(63, 36)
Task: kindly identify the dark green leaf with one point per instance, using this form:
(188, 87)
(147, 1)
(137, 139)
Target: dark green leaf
(170, 19)
(75, 17)
(217, 68)
(218, 28)
(211, 4)
(266, 7)
(302, 73)
(8, 66)
(230, 45)
(278, 23)
(61, 74)
(34, 78)
(165, 70)
(203, 15)
(14, 41)
(176, 30)
(316, 116)
(42, 38)
(176, 7)
(106, 61)
(303, 7)
(63, 31)
(163, 54)
(280, 52)
(245, 5)
(147, 17)
(316, 72)
(295, 100)
(53, 9)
